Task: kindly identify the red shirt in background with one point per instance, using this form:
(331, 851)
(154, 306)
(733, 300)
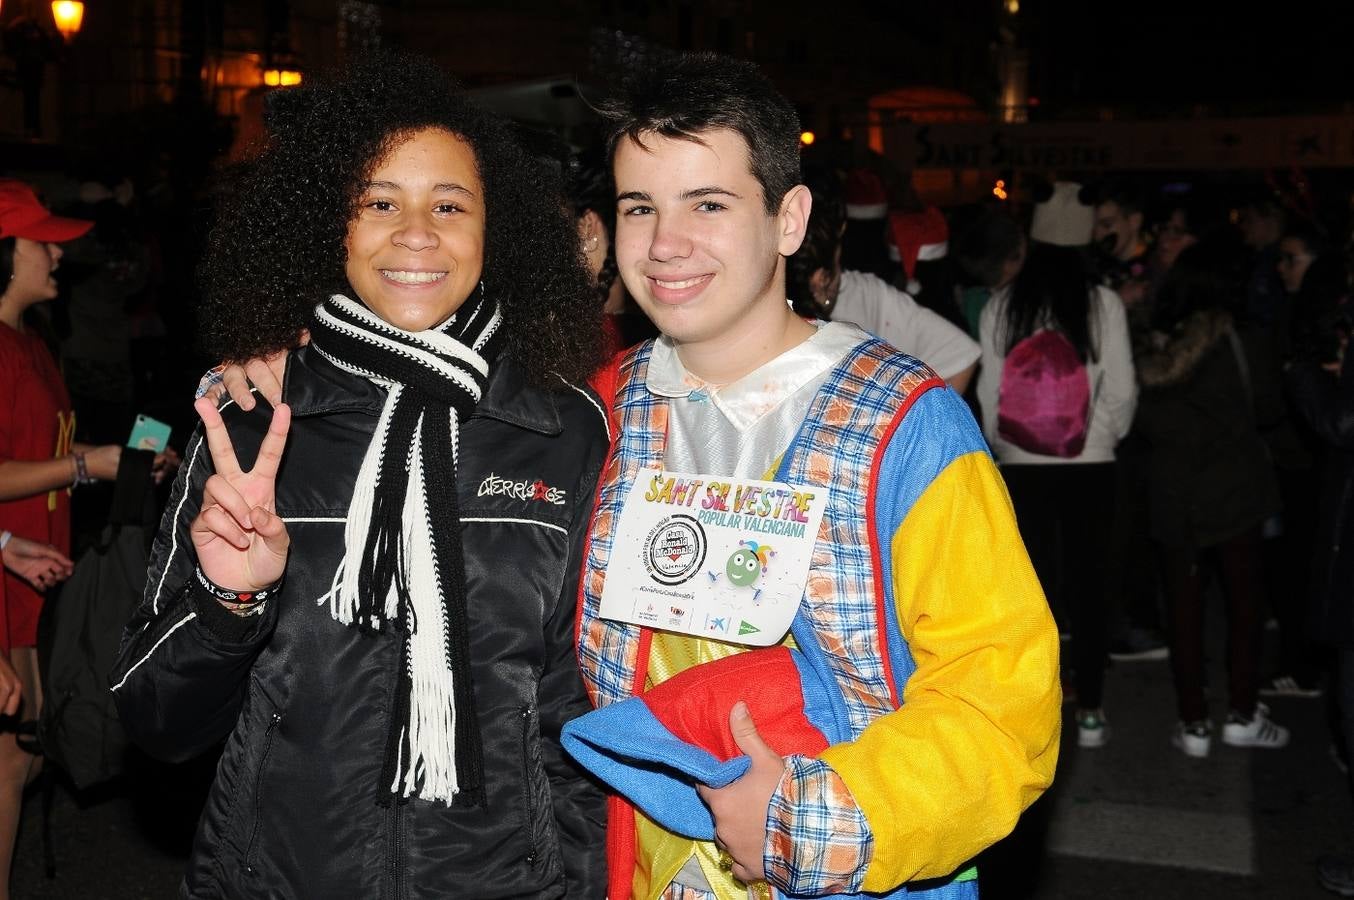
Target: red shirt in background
(36, 423)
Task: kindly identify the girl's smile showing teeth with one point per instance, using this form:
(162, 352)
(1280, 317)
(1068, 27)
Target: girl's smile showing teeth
(404, 276)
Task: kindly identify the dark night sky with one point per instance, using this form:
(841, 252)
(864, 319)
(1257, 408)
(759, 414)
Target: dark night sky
(1154, 51)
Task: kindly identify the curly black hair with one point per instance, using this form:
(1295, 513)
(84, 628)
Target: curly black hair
(277, 245)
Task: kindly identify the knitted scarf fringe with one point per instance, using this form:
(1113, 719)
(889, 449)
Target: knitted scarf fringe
(403, 567)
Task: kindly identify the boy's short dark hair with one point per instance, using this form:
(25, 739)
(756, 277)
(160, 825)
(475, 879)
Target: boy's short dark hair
(1311, 235)
(985, 242)
(1123, 193)
(698, 92)
(1263, 202)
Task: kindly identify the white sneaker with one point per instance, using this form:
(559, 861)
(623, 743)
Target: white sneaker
(1257, 731)
(1193, 738)
(1288, 686)
(1092, 728)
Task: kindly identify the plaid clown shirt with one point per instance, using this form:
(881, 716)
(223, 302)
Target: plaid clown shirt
(818, 840)
(909, 801)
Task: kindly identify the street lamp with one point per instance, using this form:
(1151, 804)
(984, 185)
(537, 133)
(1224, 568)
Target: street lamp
(281, 77)
(68, 14)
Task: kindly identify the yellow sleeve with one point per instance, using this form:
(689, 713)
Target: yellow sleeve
(976, 738)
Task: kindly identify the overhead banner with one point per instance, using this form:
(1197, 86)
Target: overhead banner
(1309, 142)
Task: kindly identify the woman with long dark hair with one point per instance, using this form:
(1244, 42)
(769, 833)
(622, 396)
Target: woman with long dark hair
(1062, 489)
(368, 592)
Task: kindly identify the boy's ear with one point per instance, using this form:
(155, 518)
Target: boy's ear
(794, 218)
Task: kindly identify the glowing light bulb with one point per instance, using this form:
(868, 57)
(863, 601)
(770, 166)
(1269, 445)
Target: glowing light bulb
(68, 15)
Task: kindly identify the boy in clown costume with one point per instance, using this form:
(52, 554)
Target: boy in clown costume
(920, 610)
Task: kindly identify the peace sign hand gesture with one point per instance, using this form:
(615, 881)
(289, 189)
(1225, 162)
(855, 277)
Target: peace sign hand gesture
(241, 542)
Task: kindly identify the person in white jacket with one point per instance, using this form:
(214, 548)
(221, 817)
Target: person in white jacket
(1065, 504)
(819, 287)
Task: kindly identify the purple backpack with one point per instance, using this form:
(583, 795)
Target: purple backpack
(1044, 402)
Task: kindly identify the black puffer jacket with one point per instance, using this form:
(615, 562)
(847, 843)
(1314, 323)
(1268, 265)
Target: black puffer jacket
(1207, 394)
(298, 809)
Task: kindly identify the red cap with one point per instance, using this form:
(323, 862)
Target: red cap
(21, 215)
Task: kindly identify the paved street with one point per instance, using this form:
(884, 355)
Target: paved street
(1134, 819)
(1137, 818)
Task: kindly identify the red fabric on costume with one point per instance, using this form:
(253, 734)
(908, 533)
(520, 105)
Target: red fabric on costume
(694, 705)
(36, 423)
(612, 337)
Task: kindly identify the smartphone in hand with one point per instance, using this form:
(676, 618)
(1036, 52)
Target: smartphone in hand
(149, 434)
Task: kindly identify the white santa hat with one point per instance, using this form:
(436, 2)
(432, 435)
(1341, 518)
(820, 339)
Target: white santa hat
(1064, 219)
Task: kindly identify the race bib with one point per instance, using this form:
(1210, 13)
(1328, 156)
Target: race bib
(712, 557)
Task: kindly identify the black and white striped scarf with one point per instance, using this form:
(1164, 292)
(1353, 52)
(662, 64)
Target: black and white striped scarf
(403, 566)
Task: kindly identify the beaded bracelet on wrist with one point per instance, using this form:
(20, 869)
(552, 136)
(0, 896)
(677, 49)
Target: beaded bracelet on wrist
(81, 470)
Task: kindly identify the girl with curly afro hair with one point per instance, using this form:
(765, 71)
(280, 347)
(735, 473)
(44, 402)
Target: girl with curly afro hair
(278, 242)
(391, 708)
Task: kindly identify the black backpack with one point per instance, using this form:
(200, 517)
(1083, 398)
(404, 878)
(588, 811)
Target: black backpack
(80, 630)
